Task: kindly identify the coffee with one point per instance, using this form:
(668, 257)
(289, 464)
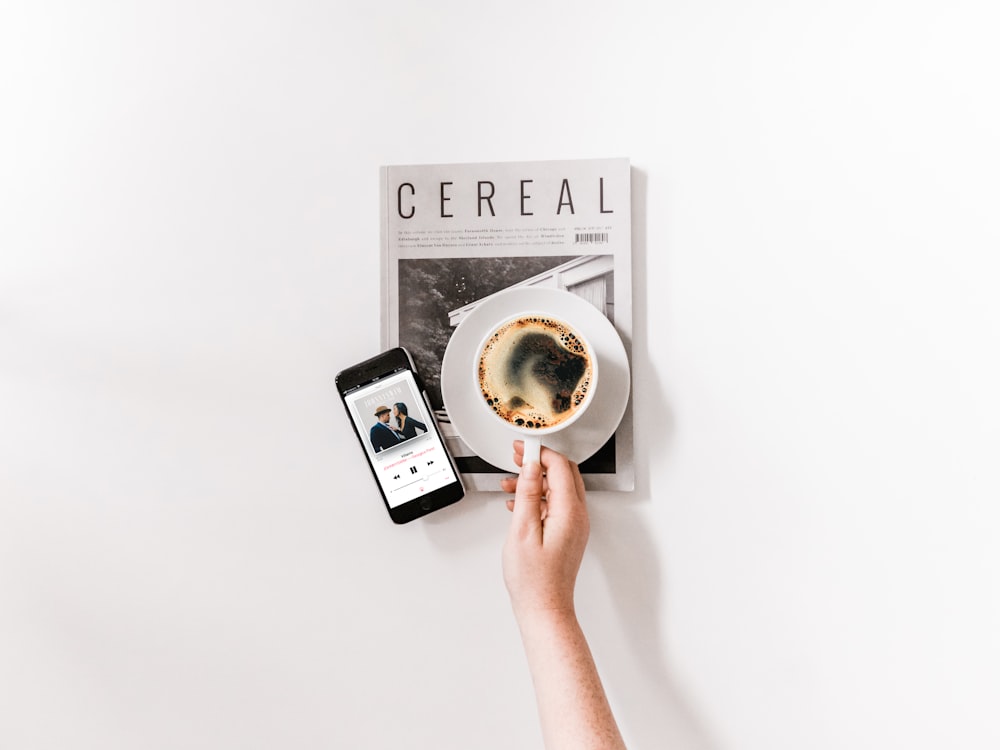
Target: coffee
(536, 372)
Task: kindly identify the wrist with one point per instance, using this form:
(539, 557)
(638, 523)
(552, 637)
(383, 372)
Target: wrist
(546, 618)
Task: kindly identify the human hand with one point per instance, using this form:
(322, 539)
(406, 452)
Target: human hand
(548, 533)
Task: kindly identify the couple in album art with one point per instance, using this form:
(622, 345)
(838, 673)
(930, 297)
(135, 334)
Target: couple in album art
(403, 427)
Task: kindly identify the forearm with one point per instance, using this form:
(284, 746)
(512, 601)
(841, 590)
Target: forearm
(572, 704)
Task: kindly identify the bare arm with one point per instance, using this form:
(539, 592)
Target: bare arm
(541, 559)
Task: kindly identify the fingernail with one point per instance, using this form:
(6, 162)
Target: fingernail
(531, 470)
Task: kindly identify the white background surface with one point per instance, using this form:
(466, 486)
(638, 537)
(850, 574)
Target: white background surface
(191, 552)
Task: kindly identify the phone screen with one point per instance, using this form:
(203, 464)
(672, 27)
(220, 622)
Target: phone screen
(399, 436)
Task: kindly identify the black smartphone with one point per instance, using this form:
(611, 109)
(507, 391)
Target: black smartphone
(392, 418)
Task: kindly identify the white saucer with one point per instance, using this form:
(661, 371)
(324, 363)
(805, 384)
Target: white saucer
(489, 438)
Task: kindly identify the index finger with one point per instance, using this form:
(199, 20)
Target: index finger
(527, 520)
(564, 480)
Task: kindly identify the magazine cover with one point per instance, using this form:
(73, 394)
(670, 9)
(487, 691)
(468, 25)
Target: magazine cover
(455, 234)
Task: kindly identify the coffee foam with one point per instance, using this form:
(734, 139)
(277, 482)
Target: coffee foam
(535, 372)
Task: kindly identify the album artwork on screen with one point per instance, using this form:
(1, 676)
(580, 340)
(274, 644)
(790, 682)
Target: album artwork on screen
(454, 235)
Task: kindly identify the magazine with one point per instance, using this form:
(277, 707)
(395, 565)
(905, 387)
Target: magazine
(455, 234)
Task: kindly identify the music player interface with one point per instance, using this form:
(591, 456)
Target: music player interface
(400, 437)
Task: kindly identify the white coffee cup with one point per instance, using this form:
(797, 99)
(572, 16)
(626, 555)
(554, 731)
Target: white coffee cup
(536, 375)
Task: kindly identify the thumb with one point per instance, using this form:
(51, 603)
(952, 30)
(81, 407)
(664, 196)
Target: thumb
(528, 500)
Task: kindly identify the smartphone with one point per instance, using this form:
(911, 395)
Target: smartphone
(392, 418)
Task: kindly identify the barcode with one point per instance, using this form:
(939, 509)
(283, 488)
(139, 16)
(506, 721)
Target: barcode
(586, 237)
